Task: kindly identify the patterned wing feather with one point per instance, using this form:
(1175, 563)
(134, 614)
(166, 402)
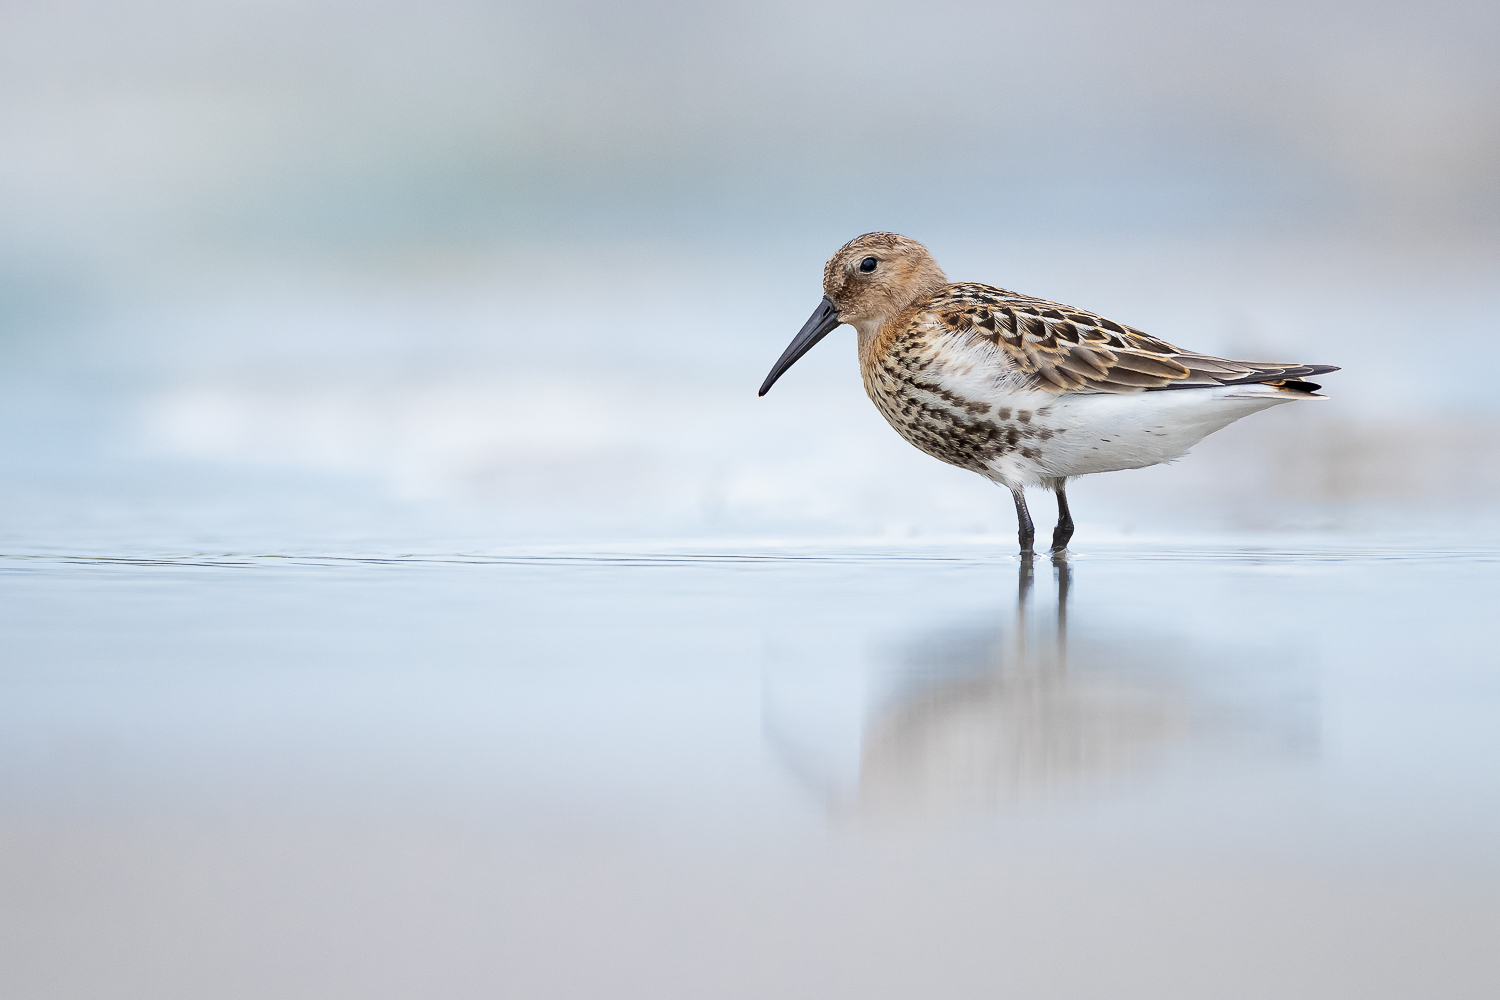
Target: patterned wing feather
(1070, 350)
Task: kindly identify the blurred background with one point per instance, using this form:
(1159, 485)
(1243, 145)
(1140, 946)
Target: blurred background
(406, 594)
(495, 271)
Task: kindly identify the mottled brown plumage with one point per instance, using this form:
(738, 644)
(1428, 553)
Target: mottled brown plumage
(1058, 348)
(1022, 390)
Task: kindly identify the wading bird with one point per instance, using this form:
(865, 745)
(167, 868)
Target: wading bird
(1024, 391)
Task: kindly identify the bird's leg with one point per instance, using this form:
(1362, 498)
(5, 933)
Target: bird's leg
(1064, 530)
(1023, 518)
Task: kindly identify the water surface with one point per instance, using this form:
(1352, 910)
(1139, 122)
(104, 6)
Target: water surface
(750, 768)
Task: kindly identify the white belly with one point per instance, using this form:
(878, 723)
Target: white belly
(1075, 435)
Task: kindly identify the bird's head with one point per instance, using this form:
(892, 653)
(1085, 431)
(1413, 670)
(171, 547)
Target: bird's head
(875, 276)
(869, 280)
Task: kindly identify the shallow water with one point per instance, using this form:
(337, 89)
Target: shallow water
(739, 768)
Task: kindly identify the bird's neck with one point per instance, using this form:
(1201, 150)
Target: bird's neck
(878, 333)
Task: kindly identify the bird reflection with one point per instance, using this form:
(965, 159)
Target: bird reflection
(1010, 715)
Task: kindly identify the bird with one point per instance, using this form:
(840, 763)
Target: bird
(1025, 391)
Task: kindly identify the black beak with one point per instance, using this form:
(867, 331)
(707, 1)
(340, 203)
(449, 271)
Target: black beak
(818, 326)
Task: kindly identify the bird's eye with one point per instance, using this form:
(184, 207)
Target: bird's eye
(868, 264)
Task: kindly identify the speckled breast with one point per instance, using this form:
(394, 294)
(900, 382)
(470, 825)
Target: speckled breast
(906, 384)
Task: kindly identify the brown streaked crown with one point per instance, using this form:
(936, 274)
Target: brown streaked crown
(904, 272)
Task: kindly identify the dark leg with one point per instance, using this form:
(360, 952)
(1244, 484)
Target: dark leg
(1023, 517)
(1064, 530)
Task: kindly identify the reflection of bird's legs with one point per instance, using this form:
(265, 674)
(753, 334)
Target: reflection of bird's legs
(1023, 592)
(1064, 530)
(1023, 518)
(1064, 578)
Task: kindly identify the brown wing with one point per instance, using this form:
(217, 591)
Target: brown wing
(1070, 350)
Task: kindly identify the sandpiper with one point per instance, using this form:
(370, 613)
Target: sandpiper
(1024, 391)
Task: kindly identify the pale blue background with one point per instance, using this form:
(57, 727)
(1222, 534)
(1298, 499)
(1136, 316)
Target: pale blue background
(403, 592)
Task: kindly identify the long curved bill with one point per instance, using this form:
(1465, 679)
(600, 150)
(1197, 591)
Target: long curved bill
(818, 326)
